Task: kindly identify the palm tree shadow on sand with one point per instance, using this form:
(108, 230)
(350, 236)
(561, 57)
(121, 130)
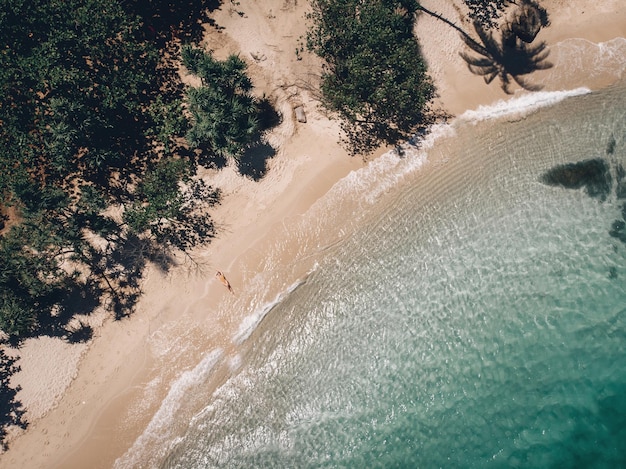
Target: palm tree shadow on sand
(510, 57)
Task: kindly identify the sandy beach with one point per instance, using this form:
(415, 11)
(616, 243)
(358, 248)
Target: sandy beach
(87, 404)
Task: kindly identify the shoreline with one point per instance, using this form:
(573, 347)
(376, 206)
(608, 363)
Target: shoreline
(119, 369)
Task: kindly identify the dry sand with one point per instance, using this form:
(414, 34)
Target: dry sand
(88, 404)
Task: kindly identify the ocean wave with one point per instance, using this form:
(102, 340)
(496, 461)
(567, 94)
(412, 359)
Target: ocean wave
(520, 105)
(391, 168)
(251, 322)
(158, 433)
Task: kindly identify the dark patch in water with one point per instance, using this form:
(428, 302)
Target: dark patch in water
(610, 148)
(618, 230)
(620, 173)
(594, 175)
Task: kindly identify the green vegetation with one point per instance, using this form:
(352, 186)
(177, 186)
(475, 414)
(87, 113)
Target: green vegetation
(486, 12)
(74, 86)
(224, 112)
(374, 76)
(375, 79)
(11, 411)
(168, 204)
(95, 176)
(92, 118)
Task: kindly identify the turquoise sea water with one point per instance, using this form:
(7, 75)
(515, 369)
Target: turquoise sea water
(475, 319)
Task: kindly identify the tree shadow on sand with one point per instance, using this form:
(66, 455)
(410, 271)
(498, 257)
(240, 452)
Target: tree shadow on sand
(165, 20)
(11, 410)
(253, 161)
(510, 57)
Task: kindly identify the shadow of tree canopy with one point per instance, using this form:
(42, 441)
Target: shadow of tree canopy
(510, 57)
(81, 333)
(268, 116)
(114, 283)
(11, 411)
(253, 162)
(165, 20)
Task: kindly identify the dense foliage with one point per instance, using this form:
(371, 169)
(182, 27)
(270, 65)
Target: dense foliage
(224, 112)
(73, 87)
(168, 205)
(90, 118)
(374, 76)
(95, 178)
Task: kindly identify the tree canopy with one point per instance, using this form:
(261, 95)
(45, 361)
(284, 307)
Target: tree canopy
(374, 76)
(224, 112)
(86, 125)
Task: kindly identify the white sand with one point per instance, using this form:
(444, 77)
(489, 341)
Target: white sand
(88, 404)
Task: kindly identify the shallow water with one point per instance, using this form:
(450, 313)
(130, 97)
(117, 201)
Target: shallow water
(472, 318)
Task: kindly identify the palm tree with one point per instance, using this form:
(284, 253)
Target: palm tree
(510, 58)
(224, 112)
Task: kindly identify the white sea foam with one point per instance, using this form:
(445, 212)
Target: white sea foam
(589, 60)
(520, 105)
(388, 170)
(158, 433)
(252, 321)
(378, 177)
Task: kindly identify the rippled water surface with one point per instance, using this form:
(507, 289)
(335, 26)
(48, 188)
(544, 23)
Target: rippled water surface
(476, 319)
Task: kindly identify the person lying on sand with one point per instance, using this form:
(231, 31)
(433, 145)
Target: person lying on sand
(224, 281)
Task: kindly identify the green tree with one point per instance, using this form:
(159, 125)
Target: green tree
(168, 206)
(224, 112)
(74, 85)
(29, 283)
(83, 120)
(374, 76)
(169, 122)
(486, 12)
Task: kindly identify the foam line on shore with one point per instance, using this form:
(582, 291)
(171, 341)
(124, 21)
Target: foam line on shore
(520, 105)
(251, 322)
(158, 432)
(390, 169)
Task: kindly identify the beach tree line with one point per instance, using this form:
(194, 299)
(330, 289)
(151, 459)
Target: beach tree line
(99, 147)
(100, 143)
(373, 76)
(375, 79)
